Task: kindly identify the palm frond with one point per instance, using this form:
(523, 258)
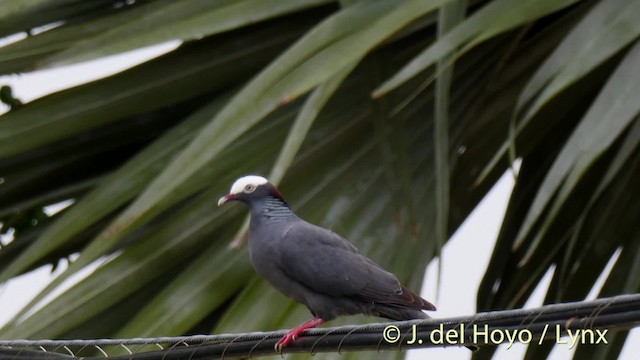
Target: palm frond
(285, 88)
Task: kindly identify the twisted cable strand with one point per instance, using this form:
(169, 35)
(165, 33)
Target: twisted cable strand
(620, 312)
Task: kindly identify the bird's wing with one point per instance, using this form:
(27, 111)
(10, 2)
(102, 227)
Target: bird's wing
(326, 263)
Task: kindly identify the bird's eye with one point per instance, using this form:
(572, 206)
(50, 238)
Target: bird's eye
(249, 188)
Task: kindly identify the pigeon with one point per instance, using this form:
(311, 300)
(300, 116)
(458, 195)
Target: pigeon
(315, 266)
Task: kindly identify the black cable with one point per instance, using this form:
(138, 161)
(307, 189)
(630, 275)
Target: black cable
(588, 319)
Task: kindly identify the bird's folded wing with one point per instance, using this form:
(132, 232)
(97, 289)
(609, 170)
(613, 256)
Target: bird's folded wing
(326, 263)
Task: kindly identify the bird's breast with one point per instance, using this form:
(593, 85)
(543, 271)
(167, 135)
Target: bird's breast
(262, 254)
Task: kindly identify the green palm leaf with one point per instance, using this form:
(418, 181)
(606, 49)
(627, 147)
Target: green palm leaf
(284, 88)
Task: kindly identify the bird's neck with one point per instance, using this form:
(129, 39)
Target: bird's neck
(271, 209)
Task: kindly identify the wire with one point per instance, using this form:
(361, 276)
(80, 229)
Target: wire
(591, 319)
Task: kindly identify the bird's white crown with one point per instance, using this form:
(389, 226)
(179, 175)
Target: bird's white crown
(239, 185)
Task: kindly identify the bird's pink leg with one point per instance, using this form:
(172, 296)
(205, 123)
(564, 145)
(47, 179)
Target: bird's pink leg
(295, 332)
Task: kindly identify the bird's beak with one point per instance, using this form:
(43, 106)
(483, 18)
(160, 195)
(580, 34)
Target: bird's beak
(225, 199)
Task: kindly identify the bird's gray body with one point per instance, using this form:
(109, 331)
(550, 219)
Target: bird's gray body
(321, 270)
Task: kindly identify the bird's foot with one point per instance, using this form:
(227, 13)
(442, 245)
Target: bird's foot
(285, 340)
(293, 334)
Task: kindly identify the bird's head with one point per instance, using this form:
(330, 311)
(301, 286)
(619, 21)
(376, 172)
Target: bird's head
(250, 188)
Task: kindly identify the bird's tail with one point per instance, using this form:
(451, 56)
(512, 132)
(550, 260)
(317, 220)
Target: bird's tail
(400, 314)
(413, 300)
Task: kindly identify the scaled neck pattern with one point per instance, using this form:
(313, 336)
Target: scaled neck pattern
(273, 209)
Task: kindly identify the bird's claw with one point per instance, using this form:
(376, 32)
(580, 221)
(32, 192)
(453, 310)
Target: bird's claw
(284, 341)
(293, 334)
